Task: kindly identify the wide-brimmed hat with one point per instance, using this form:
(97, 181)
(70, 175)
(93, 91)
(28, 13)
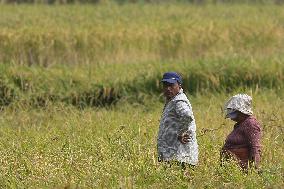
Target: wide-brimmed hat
(239, 102)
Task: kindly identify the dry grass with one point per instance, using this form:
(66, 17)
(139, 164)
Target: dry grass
(99, 148)
(54, 57)
(108, 33)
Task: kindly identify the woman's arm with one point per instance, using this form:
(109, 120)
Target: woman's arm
(253, 134)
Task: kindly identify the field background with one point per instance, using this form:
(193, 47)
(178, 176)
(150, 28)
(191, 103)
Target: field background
(80, 94)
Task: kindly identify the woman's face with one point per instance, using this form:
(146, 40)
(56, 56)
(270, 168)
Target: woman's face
(237, 116)
(233, 115)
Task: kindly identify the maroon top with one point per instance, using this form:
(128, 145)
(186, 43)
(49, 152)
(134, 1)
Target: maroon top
(246, 134)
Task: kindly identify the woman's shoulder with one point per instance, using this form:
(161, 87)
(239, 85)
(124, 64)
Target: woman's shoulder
(251, 122)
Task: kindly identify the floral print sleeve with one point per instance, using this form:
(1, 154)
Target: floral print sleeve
(185, 114)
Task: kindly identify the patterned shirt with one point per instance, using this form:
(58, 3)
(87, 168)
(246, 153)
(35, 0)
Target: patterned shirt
(246, 135)
(177, 118)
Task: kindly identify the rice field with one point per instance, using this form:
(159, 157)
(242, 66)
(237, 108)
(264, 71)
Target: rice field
(61, 146)
(80, 96)
(135, 33)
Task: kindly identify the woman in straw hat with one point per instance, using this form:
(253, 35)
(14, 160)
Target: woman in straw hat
(243, 143)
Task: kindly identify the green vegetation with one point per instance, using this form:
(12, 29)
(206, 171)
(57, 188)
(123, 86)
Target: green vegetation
(47, 35)
(121, 2)
(80, 93)
(98, 85)
(62, 146)
(95, 55)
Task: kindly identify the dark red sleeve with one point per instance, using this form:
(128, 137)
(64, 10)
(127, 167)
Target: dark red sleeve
(253, 135)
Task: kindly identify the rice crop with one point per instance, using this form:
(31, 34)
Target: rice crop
(61, 146)
(105, 85)
(80, 91)
(107, 33)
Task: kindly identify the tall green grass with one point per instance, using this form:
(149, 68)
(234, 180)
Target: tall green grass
(55, 59)
(97, 55)
(108, 33)
(121, 2)
(106, 84)
(60, 146)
